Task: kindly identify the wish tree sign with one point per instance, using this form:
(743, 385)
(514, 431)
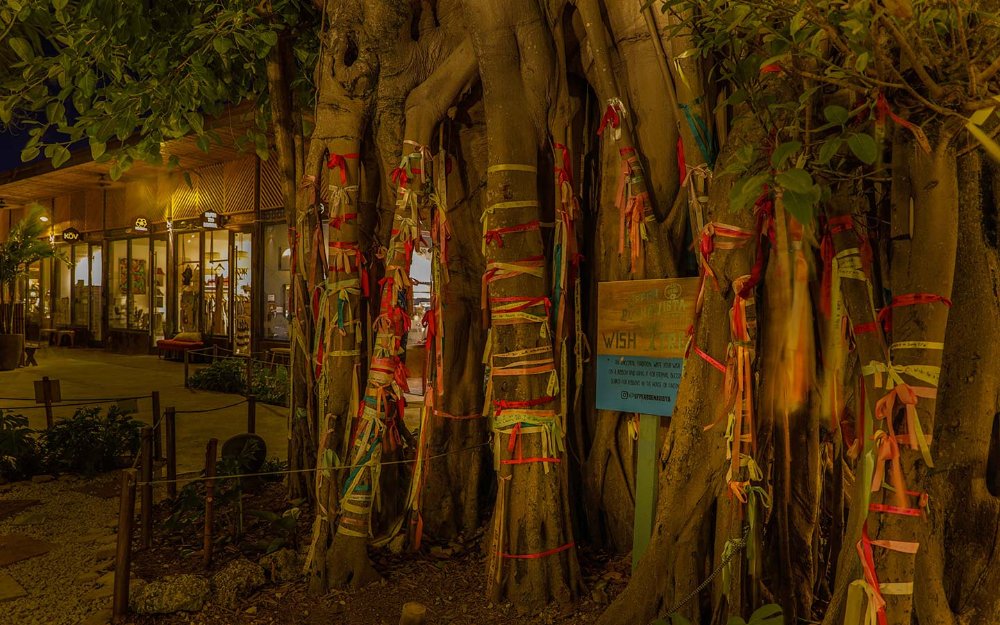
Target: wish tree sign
(641, 335)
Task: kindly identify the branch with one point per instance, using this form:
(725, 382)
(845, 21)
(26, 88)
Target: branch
(989, 72)
(918, 67)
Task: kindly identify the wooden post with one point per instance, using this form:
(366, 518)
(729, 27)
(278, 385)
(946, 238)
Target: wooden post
(252, 414)
(215, 353)
(146, 457)
(249, 375)
(170, 421)
(123, 559)
(187, 364)
(210, 452)
(47, 397)
(157, 428)
(645, 486)
(413, 614)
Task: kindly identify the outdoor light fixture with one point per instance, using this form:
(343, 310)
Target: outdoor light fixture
(43, 219)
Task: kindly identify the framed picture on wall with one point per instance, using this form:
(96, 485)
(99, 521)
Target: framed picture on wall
(123, 275)
(138, 276)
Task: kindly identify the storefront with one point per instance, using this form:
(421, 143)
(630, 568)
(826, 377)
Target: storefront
(156, 257)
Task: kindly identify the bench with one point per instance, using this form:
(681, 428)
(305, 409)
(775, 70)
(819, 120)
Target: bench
(167, 347)
(70, 334)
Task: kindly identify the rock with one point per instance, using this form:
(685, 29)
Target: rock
(41, 479)
(173, 593)
(87, 577)
(105, 552)
(108, 579)
(101, 617)
(29, 518)
(9, 588)
(284, 565)
(251, 610)
(237, 580)
(599, 596)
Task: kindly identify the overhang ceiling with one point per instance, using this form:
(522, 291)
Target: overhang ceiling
(38, 181)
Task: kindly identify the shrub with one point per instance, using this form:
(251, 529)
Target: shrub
(229, 376)
(224, 376)
(89, 443)
(20, 453)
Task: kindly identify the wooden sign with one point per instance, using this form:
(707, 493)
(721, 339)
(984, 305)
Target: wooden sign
(50, 395)
(641, 335)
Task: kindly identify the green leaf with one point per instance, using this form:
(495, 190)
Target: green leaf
(746, 191)
(783, 152)
(828, 150)
(202, 143)
(22, 47)
(222, 44)
(836, 114)
(55, 112)
(29, 154)
(5, 114)
(736, 620)
(802, 206)
(677, 619)
(60, 155)
(770, 614)
(864, 147)
(795, 180)
(269, 37)
(60, 4)
(97, 148)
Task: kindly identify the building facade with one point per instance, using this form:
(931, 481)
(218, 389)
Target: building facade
(153, 256)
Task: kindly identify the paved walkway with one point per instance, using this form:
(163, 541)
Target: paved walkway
(93, 373)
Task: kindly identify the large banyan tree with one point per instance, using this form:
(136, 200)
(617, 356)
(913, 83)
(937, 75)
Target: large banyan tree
(823, 166)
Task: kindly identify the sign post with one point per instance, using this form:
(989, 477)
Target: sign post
(641, 336)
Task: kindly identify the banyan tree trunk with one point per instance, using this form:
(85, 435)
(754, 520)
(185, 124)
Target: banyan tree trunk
(532, 555)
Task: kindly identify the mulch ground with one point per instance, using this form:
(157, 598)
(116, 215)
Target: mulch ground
(449, 580)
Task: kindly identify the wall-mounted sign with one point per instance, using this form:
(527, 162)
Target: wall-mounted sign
(141, 224)
(70, 235)
(210, 219)
(641, 335)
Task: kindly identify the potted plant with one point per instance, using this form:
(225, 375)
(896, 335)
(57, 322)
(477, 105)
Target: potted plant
(24, 246)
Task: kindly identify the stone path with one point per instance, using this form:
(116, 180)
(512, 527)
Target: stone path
(71, 583)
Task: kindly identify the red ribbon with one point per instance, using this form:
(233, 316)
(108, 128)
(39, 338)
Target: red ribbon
(339, 161)
(610, 117)
(681, 162)
(532, 556)
(764, 207)
(510, 404)
(564, 173)
(835, 225)
(882, 110)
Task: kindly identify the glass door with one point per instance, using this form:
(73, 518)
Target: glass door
(216, 283)
(188, 281)
(81, 286)
(277, 281)
(158, 288)
(242, 292)
(96, 291)
(62, 293)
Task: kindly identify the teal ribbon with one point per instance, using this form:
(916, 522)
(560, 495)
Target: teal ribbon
(702, 136)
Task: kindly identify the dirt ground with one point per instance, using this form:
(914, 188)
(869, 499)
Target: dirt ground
(448, 579)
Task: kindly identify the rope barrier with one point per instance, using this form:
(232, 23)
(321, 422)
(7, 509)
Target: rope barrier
(70, 403)
(313, 470)
(242, 401)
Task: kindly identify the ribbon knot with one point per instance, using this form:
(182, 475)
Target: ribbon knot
(339, 161)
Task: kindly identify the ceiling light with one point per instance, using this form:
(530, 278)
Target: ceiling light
(43, 219)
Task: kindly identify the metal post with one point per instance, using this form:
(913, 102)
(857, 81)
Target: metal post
(47, 398)
(157, 427)
(252, 414)
(123, 560)
(249, 377)
(187, 363)
(170, 421)
(210, 453)
(146, 457)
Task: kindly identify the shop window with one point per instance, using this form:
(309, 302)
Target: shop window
(242, 301)
(46, 293)
(188, 282)
(158, 288)
(33, 296)
(118, 294)
(139, 285)
(216, 281)
(277, 281)
(63, 287)
(81, 286)
(96, 296)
